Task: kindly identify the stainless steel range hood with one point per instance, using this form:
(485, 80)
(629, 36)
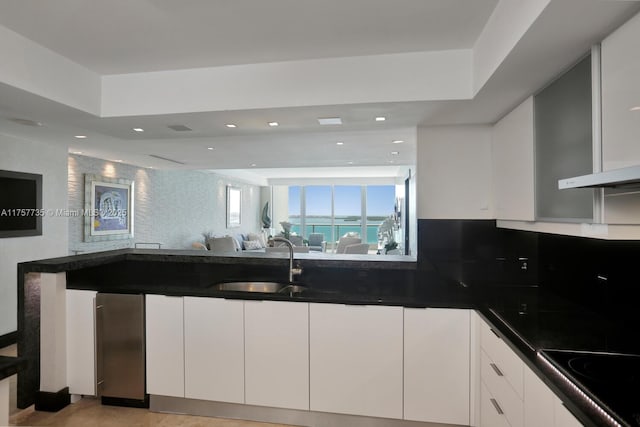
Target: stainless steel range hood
(616, 178)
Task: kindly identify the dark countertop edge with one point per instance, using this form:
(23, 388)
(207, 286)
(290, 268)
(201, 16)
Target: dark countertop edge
(321, 297)
(76, 262)
(11, 365)
(571, 399)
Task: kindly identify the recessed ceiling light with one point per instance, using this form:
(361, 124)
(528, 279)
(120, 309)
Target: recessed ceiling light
(253, 165)
(339, 143)
(138, 129)
(330, 121)
(390, 161)
(397, 141)
(209, 148)
(76, 152)
(635, 108)
(380, 119)
(395, 153)
(118, 160)
(231, 125)
(349, 163)
(81, 136)
(274, 124)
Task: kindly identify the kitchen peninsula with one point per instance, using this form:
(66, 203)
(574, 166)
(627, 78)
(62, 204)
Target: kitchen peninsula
(423, 339)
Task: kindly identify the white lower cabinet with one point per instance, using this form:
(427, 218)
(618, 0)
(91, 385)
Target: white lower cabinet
(562, 416)
(542, 408)
(491, 413)
(276, 337)
(356, 359)
(437, 365)
(81, 342)
(214, 349)
(165, 345)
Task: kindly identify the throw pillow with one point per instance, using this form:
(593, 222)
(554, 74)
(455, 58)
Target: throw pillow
(252, 244)
(258, 237)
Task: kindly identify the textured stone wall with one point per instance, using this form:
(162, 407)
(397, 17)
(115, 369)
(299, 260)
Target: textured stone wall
(170, 207)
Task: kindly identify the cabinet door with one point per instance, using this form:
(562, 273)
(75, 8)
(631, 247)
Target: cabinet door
(436, 365)
(538, 401)
(356, 359)
(165, 345)
(214, 349)
(491, 414)
(277, 354)
(512, 152)
(620, 117)
(563, 418)
(81, 342)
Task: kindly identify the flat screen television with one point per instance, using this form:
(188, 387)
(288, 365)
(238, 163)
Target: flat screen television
(20, 204)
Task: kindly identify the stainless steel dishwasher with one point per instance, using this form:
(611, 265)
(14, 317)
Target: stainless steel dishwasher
(120, 363)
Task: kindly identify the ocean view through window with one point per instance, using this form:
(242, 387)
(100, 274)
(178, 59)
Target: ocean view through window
(340, 209)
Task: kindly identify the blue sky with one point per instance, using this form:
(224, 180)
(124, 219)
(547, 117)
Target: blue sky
(380, 200)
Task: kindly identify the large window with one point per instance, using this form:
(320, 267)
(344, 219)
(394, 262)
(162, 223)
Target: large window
(337, 210)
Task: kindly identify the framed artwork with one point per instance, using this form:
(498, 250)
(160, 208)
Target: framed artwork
(234, 206)
(108, 208)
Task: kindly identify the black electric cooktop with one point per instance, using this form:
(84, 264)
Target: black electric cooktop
(610, 380)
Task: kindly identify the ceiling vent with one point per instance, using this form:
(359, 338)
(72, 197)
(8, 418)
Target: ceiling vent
(25, 122)
(167, 159)
(180, 128)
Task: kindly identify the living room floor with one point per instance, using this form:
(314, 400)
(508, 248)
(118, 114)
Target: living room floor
(89, 412)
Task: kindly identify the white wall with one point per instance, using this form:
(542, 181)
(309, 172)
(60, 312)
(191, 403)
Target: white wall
(50, 161)
(280, 206)
(454, 172)
(171, 207)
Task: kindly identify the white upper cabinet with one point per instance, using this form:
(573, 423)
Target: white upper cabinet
(513, 160)
(356, 359)
(454, 172)
(214, 349)
(436, 365)
(620, 95)
(277, 354)
(165, 345)
(621, 116)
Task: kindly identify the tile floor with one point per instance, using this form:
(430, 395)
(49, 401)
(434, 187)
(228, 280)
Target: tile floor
(89, 412)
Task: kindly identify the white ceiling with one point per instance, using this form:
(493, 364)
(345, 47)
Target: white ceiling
(126, 36)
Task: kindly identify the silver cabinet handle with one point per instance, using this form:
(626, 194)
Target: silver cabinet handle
(495, 405)
(496, 369)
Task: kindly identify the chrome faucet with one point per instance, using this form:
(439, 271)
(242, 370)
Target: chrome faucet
(292, 271)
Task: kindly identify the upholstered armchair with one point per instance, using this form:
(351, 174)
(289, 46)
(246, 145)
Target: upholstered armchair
(316, 242)
(357, 248)
(346, 241)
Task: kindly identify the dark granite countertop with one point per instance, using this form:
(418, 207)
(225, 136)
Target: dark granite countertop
(532, 321)
(529, 319)
(11, 365)
(75, 262)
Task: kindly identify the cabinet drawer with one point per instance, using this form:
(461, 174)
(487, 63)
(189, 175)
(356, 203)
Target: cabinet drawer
(503, 357)
(504, 395)
(490, 415)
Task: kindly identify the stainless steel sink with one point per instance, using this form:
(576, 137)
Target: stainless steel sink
(262, 287)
